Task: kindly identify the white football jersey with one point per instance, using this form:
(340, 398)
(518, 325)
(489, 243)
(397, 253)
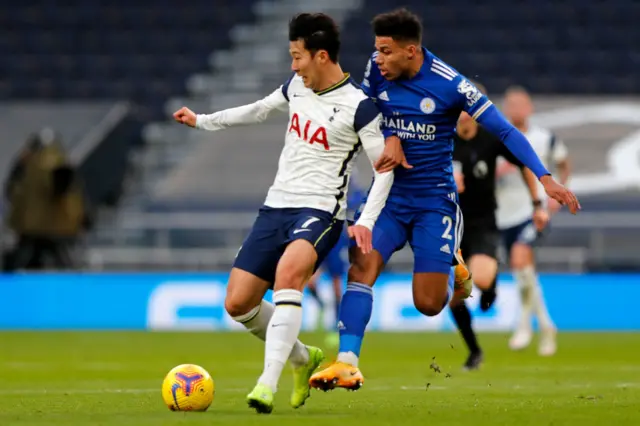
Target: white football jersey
(514, 200)
(325, 133)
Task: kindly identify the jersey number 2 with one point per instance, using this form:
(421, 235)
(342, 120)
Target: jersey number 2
(448, 222)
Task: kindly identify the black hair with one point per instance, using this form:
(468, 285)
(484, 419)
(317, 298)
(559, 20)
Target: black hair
(318, 32)
(399, 24)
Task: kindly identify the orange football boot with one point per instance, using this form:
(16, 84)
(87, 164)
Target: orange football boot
(463, 282)
(337, 375)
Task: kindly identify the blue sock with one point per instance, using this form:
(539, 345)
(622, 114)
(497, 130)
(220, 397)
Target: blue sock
(355, 313)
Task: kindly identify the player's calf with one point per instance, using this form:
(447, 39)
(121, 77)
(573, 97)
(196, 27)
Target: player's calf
(364, 268)
(484, 269)
(294, 270)
(488, 297)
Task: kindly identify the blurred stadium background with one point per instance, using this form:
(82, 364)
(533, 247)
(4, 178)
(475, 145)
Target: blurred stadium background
(106, 76)
(166, 208)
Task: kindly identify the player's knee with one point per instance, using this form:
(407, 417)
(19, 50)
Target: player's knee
(430, 292)
(521, 256)
(290, 278)
(484, 269)
(483, 278)
(482, 282)
(236, 308)
(429, 305)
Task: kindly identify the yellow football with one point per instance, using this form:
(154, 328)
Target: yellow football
(188, 387)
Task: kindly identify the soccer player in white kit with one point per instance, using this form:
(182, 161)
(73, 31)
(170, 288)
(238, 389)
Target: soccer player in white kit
(521, 221)
(330, 120)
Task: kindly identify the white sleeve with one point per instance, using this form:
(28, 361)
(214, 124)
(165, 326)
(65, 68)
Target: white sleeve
(373, 144)
(256, 112)
(560, 152)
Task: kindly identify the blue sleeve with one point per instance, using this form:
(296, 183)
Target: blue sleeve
(493, 120)
(285, 87)
(470, 98)
(366, 112)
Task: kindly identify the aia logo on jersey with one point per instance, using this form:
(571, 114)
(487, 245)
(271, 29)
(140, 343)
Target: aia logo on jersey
(319, 135)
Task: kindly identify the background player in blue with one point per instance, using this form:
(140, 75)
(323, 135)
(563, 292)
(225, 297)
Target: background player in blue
(421, 98)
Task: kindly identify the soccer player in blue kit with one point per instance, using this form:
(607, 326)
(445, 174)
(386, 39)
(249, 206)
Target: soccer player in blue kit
(421, 98)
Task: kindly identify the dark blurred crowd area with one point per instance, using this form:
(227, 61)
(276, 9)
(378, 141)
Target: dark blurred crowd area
(46, 211)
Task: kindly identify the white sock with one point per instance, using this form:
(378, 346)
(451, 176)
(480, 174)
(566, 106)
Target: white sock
(257, 321)
(538, 303)
(348, 358)
(282, 334)
(523, 279)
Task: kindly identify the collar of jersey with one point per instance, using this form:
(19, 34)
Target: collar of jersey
(338, 85)
(425, 63)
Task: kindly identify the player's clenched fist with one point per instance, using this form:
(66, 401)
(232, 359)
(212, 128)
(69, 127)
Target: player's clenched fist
(185, 116)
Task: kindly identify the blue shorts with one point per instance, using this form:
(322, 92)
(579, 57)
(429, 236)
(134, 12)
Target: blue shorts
(274, 229)
(434, 233)
(336, 262)
(524, 233)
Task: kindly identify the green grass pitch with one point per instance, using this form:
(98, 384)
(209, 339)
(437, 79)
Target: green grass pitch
(109, 378)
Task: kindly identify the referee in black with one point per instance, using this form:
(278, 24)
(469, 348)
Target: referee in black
(475, 154)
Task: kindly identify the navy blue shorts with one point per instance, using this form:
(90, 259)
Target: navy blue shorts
(524, 233)
(274, 229)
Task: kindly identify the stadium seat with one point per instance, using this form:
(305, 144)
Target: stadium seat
(86, 49)
(530, 43)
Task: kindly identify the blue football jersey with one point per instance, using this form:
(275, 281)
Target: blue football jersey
(423, 112)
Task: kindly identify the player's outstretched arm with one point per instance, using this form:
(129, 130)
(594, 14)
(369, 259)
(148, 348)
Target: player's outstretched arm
(367, 124)
(480, 108)
(256, 112)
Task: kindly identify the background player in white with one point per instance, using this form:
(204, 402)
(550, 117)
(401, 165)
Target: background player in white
(330, 120)
(517, 217)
